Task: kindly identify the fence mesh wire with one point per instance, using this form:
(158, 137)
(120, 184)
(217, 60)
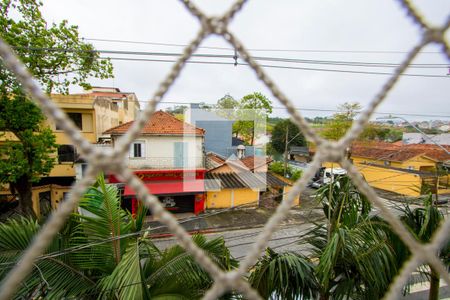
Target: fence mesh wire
(112, 161)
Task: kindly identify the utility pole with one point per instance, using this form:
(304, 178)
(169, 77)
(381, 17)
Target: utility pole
(286, 149)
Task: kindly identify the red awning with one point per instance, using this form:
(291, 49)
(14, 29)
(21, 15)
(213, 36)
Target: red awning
(170, 187)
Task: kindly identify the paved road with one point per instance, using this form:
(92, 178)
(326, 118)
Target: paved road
(284, 239)
(240, 241)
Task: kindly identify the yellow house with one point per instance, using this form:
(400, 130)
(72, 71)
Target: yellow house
(409, 170)
(244, 189)
(93, 112)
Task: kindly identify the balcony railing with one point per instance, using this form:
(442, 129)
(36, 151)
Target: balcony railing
(191, 162)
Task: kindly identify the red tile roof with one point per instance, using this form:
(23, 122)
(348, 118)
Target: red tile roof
(385, 154)
(397, 152)
(253, 162)
(214, 157)
(161, 123)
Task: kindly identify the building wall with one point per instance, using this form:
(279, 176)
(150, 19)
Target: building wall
(418, 163)
(392, 180)
(159, 152)
(399, 182)
(218, 135)
(57, 195)
(227, 198)
(106, 115)
(286, 190)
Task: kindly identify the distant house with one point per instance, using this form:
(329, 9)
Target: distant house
(252, 164)
(418, 138)
(300, 154)
(409, 170)
(93, 112)
(219, 132)
(168, 156)
(228, 190)
(241, 181)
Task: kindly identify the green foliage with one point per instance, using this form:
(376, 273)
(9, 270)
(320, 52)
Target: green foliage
(25, 29)
(422, 222)
(341, 121)
(251, 109)
(284, 276)
(352, 248)
(177, 110)
(102, 253)
(380, 133)
(57, 58)
(295, 137)
(278, 168)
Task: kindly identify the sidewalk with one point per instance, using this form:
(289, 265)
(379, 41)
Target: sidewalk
(222, 220)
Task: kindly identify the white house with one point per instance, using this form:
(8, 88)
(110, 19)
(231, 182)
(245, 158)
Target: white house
(164, 143)
(168, 156)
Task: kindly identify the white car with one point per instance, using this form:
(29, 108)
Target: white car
(329, 174)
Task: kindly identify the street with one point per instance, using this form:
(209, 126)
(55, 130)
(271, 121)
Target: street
(240, 241)
(286, 236)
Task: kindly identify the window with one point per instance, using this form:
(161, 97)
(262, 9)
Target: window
(66, 153)
(76, 118)
(410, 167)
(137, 149)
(387, 163)
(180, 154)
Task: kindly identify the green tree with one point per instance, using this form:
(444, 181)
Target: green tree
(338, 125)
(350, 256)
(284, 276)
(380, 133)
(278, 168)
(422, 222)
(295, 137)
(57, 58)
(105, 253)
(227, 106)
(253, 106)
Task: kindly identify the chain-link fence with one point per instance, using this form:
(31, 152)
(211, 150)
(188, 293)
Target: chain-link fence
(113, 161)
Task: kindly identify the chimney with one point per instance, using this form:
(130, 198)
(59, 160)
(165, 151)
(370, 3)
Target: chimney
(240, 152)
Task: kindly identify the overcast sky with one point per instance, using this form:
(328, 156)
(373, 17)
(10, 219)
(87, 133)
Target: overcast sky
(346, 25)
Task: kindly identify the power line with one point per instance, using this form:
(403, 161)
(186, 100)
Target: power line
(259, 49)
(272, 59)
(311, 109)
(278, 67)
(212, 105)
(231, 56)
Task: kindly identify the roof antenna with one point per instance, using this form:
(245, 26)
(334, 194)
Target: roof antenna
(235, 57)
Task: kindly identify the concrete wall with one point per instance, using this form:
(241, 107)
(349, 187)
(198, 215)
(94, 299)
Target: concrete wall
(218, 135)
(159, 152)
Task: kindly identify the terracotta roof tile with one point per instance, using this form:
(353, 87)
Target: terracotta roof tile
(253, 162)
(161, 123)
(397, 152)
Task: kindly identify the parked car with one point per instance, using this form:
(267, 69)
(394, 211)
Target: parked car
(325, 176)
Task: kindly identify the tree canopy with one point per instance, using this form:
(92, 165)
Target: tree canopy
(341, 121)
(56, 56)
(295, 137)
(251, 109)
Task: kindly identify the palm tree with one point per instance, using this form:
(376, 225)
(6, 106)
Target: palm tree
(103, 252)
(354, 258)
(349, 258)
(284, 276)
(422, 222)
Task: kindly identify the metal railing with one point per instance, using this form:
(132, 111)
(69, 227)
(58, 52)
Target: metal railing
(152, 162)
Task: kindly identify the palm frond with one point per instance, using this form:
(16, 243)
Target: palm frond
(284, 276)
(126, 281)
